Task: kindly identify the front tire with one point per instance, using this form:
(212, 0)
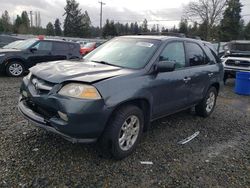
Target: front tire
(123, 133)
(206, 107)
(15, 69)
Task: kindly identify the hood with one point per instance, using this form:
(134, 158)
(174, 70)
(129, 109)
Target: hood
(61, 71)
(2, 51)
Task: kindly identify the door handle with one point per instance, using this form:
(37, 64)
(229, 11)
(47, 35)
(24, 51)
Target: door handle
(210, 74)
(187, 79)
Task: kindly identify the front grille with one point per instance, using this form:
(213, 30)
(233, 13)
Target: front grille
(238, 63)
(41, 86)
(46, 113)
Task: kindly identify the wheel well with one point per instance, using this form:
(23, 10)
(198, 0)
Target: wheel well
(13, 59)
(217, 86)
(143, 104)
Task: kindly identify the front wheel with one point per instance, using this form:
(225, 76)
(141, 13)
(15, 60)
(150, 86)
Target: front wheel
(15, 69)
(206, 107)
(123, 133)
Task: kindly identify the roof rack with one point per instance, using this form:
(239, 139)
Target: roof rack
(181, 35)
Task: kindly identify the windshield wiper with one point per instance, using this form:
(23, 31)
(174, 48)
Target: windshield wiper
(103, 62)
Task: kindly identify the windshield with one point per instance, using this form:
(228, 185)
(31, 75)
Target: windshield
(25, 44)
(12, 44)
(125, 52)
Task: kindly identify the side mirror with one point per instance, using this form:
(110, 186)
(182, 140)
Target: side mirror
(33, 49)
(165, 66)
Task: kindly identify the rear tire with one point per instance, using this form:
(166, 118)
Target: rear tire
(206, 107)
(15, 69)
(123, 133)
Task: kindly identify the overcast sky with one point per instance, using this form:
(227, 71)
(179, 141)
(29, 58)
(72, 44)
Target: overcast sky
(167, 12)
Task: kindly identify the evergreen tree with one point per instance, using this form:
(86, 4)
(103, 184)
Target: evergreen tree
(153, 29)
(86, 24)
(136, 28)
(76, 24)
(17, 24)
(145, 26)
(203, 31)
(109, 29)
(193, 31)
(231, 22)
(6, 21)
(57, 26)
(106, 29)
(25, 19)
(183, 26)
(24, 28)
(247, 31)
(50, 30)
(1, 26)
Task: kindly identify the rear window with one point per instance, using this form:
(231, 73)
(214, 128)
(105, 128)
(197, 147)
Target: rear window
(61, 46)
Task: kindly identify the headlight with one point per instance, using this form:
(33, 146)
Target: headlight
(1, 55)
(80, 91)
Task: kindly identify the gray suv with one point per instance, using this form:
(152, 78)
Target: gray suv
(112, 95)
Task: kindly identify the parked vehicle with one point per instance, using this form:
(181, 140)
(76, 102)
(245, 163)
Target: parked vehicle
(17, 59)
(89, 47)
(236, 59)
(117, 90)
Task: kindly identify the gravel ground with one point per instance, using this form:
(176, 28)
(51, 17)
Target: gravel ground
(218, 157)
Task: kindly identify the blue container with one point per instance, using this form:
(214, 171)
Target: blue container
(242, 84)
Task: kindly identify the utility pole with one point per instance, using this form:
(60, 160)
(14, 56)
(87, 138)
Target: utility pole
(101, 13)
(31, 18)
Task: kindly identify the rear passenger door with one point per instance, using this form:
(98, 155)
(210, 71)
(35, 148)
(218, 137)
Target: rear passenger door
(60, 51)
(199, 71)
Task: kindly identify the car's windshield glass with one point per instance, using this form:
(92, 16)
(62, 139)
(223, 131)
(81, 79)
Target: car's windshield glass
(25, 44)
(125, 52)
(12, 45)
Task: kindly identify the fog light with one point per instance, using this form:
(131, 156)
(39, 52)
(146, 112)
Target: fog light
(63, 116)
(25, 94)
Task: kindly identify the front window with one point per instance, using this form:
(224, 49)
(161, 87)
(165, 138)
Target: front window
(125, 52)
(43, 46)
(174, 52)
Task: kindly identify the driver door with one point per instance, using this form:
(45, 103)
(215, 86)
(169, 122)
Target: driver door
(171, 89)
(41, 52)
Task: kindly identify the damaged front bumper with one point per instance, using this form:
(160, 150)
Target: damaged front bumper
(85, 119)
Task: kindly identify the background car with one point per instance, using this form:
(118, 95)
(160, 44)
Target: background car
(18, 58)
(85, 49)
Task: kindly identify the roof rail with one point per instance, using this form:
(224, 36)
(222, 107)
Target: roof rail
(182, 35)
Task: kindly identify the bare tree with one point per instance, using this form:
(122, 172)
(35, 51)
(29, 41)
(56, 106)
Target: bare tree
(208, 12)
